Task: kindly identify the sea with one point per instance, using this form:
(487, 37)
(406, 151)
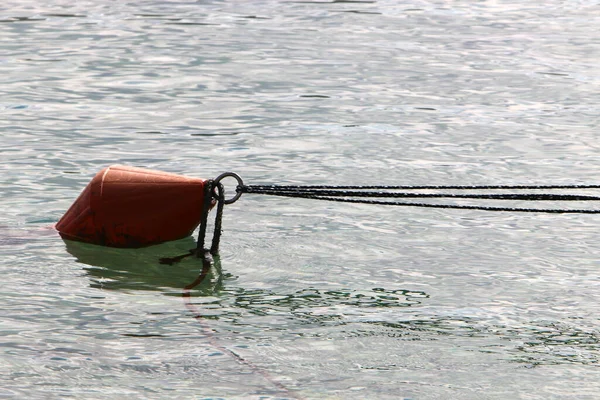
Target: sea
(308, 299)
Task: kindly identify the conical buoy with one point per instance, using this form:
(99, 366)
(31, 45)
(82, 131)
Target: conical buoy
(134, 207)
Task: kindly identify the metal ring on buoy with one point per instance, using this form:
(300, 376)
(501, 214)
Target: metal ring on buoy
(239, 181)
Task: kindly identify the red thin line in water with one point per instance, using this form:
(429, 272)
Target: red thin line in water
(206, 265)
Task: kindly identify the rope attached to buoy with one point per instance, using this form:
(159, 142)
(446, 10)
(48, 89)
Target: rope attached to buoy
(365, 195)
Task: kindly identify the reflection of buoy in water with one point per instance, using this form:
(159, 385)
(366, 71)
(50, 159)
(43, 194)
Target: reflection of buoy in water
(134, 207)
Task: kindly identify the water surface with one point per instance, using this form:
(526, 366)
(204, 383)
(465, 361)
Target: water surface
(308, 300)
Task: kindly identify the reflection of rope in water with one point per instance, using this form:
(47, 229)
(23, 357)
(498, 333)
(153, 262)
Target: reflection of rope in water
(206, 265)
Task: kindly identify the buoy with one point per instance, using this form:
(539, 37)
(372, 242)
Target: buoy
(132, 207)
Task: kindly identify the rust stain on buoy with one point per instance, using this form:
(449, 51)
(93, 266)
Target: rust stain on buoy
(134, 207)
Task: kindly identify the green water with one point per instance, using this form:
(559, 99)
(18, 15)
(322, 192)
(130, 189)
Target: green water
(308, 300)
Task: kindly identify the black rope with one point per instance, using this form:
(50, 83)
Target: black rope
(220, 197)
(358, 194)
(213, 192)
(208, 198)
(352, 193)
(423, 187)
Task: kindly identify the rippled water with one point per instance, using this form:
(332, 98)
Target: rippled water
(309, 300)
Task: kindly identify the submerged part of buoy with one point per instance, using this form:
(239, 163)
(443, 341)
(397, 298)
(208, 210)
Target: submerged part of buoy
(134, 207)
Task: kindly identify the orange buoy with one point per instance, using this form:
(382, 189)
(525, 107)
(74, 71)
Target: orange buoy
(134, 207)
